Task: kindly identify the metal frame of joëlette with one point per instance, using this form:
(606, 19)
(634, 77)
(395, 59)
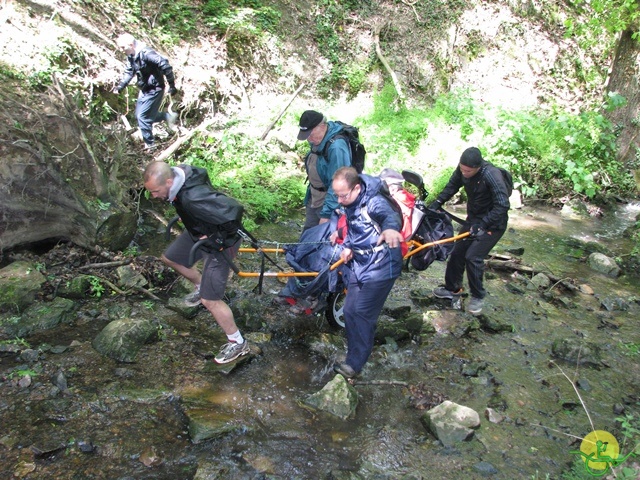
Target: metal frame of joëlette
(414, 247)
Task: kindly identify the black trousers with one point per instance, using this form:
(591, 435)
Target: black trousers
(469, 255)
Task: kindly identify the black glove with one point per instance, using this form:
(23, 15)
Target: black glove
(173, 90)
(435, 206)
(476, 230)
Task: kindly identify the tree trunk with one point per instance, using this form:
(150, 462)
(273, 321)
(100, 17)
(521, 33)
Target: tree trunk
(625, 80)
(54, 177)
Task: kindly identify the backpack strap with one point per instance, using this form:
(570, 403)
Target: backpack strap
(340, 134)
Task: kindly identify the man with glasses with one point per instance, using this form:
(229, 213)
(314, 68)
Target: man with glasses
(372, 257)
(320, 201)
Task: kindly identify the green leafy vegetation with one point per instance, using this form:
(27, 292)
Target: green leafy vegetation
(23, 373)
(266, 183)
(16, 341)
(550, 154)
(631, 349)
(96, 287)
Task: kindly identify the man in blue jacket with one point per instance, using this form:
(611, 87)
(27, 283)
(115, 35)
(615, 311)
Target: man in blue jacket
(373, 260)
(150, 68)
(320, 201)
(487, 217)
(205, 213)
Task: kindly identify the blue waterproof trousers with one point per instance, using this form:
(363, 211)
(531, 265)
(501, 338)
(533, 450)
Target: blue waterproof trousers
(362, 307)
(147, 113)
(469, 254)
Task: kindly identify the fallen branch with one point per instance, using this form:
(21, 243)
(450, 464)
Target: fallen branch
(384, 62)
(413, 6)
(167, 152)
(104, 265)
(395, 383)
(506, 263)
(268, 129)
(112, 286)
(148, 293)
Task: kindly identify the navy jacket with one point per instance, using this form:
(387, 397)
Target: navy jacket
(487, 196)
(367, 217)
(150, 67)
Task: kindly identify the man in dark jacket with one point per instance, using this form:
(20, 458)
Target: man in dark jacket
(371, 252)
(150, 68)
(320, 201)
(205, 213)
(487, 217)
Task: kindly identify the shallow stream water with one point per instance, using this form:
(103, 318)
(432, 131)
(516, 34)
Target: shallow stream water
(132, 414)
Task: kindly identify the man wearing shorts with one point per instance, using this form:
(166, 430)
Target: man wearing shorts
(199, 205)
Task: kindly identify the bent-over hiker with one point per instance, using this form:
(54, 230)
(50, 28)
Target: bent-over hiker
(199, 205)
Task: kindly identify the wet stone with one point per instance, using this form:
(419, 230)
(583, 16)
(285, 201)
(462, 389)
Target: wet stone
(10, 348)
(485, 468)
(517, 289)
(60, 381)
(493, 416)
(612, 304)
(58, 349)
(30, 355)
(122, 339)
(583, 384)
(337, 397)
(576, 352)
(86, 446)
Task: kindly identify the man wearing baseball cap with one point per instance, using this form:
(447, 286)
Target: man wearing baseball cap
(320, 201)
(487, 217)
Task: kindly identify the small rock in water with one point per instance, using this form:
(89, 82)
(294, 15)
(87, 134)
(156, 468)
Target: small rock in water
(86, 446)
(150, 458)
(60, 381)
(583, 384)
(493, 416)
(485, 468)
(618, 409)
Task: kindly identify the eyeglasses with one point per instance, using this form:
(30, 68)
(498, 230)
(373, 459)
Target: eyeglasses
(344, 196)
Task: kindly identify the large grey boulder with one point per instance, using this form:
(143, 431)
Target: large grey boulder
(122, 339)
(19, 283)
(337, 398)
(603, 264)
(451, 423)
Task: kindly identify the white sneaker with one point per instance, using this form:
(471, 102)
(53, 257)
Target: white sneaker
(231, 351)
(193, 299)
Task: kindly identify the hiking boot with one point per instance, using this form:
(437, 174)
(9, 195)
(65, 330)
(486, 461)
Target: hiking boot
(441, 292)
(231, 351)
(475, 306)
(193, 299)
(172, 119)
(345, 370)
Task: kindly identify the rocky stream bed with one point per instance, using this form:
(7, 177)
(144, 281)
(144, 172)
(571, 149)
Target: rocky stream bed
(551, 358)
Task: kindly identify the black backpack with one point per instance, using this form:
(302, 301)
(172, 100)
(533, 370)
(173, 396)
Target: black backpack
(433, 226)
(351, 135)
(508, 179)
